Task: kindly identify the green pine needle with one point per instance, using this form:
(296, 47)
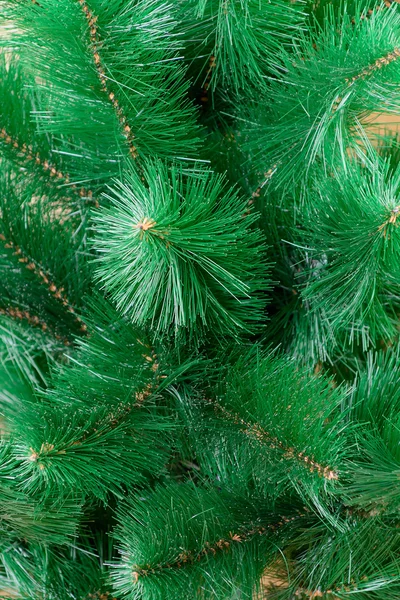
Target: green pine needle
(180, 254)
(234, 44)
(352, 238)
(317, 112)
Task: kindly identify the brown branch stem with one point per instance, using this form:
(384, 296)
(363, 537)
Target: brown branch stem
(26, 155)
(95, 45)
(378, 64)
(190, 557)
(33, 320)
(113, 419)
(257, 432)
(43, 278)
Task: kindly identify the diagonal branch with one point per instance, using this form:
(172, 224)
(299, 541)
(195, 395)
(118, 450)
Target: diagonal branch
(112, 421)
(26, 155)
(43, 279)
(95, 45)
(255, 431)
(190, 557)
(267, 177)
(381, 62)
(33, 320)
(378, 64)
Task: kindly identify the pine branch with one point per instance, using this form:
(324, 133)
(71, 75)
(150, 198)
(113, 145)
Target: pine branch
(95, 456)
(339, 75)
(43, 279)
(378, 64)
(38, 155)
(261, 420)
(374, 471)
(190, 558)
(184, 541)
(109, 103)
(301, 330)
(96, 48)
(43, 253)
(26, 353)
(32, 320)
(352, 241)
(22, 518)
(57, 573)
(25, 156)
(98, 428)
(358, 10)
(241, 37)
(361, 560)
(253, 430)
(183, 264)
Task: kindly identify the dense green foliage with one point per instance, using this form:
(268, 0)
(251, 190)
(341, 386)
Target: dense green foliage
(175, 262)
(199, 300)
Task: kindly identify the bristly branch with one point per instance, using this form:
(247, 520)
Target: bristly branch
(168, 239)
(243, 40)
(267, 177)
(255, 431)
(122, 100)
(190, 557)
(118, 414)
(43, 278)
(95, 43)
(327, 88)
(25, 156)
(378, 64)
(33, 321)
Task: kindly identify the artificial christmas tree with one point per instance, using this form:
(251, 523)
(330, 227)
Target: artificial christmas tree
(199, 300)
